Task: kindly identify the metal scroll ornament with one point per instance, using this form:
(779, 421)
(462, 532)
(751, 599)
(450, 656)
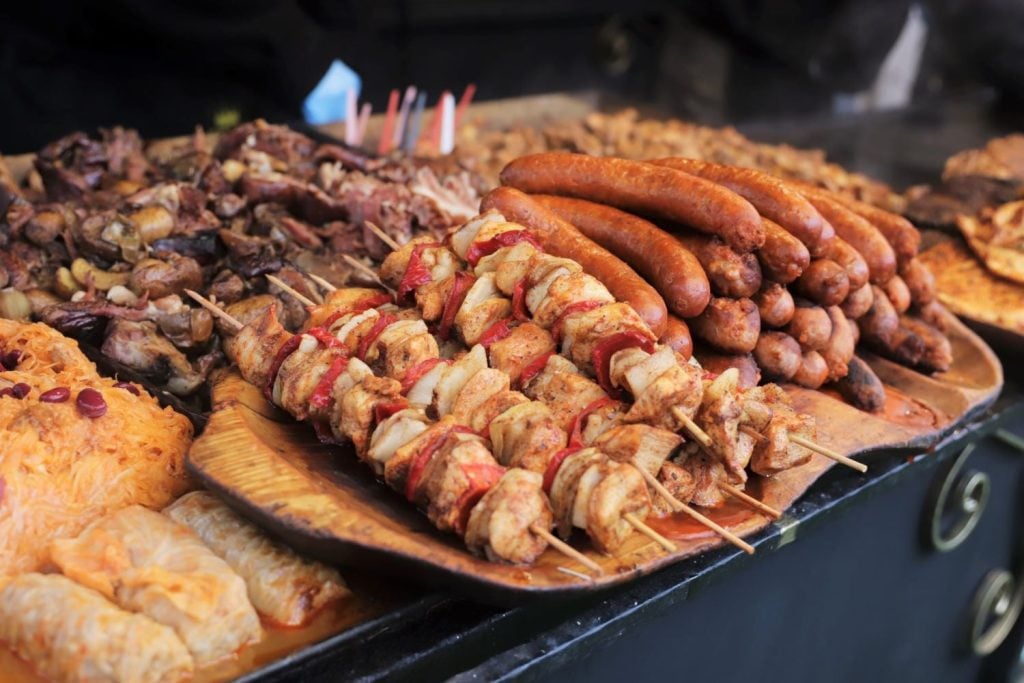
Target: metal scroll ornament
(994, 611)
(963, 495)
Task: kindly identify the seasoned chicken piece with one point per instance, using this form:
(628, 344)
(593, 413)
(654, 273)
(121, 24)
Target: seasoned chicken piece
(353, 416)
(73, 634)
(620, 490)
(719, 418)
(575, 288)
(755, 414)
(600, 420)
(456, 479)
(355, 327)
(401, 346)
(426, 444)
(777, 453)
(678, 387)
(642, 446)
(300, 375)
(500, 524)
(255, 346)
(526, 435)
(495, 405)
(581, 333)
(421, 393)
(281, 585)
(462, 238)
(393, 268)
(565, 484)
(147, 563)
(454, 377)
(707, 472)
(393, 433)
(509, 265)
(679, 483)
(566, 393)
(543, 274)
(634, 369)
(522, 346)
(483, 306)
(342, 301)
(476, 392)
(246, 311)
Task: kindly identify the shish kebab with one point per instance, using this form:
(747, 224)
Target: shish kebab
(501, 394)
(487, 403)
(667, 380)
(440, 465)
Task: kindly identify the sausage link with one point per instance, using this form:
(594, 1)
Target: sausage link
(920, 282)
(813, 371)
(677, 335)
(861, 235)
(933, 313)
(904, 345)
(824, 282)
(731, 274)
(643, 188)
(840, 348)
(849, 258)
(774, 304)
(810, 326)
(938, 353)
(861, 386)
(898, 292)
(783, 257)
(562, 239)
(661, 259)
(881, 320)
(778, 355)
(897, 230)
(772, 198)
(717, 363)
(731, 325)
(858, 302)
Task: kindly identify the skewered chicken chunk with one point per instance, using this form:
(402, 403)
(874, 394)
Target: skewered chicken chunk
(522, 346)
(500, 525)
(300, 374)
(255, 347)
(456, 479)
(526, 435)
(354, 414)
(568, 393)
(477, 391)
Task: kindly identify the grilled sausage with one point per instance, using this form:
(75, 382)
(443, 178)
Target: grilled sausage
(897, 230)
(849, 258)
(898, 292)
(774, 304)
(677, 335)
(904, 345)
(730, 325)
(714, 362)
(731, 274)
(824, 282)
(562, 239)
(858, 302)
(933, 313)
(861, 235)
(920, 282)
(778, 355)
(861, 386)
(772, 198)
(881, 320)
(644, 188)
(665, 263)
(783, 257)
(810, 326)
(840, 348)
(813, 371)
(938, 354)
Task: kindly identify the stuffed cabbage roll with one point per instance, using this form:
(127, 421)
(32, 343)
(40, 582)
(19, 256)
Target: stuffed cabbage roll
(147, 563)
(282, 585)
(72, 633)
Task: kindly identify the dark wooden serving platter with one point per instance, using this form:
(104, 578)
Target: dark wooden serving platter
(324, 502)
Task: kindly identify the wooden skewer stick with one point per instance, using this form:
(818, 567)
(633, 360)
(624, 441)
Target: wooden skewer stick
(284, 286)
(692, 427)
(753, 433)
(649, 532)
(680, 506)
(751, 501)
(575, 574)
(553, 540)
(314, 293)
(214, 309)
(383, 236)
(566, 549)
(365, 270)
(828, 453)
(321, 282)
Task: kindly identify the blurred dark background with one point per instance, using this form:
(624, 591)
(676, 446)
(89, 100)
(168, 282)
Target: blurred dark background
(164, 67)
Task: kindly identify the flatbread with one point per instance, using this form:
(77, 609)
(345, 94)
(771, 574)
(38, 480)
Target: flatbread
(967, 289)
(997, 237)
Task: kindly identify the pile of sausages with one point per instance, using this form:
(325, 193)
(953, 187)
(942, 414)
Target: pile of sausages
(773, 277)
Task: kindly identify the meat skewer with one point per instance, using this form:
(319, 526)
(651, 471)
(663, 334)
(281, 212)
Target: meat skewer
(535, 527)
